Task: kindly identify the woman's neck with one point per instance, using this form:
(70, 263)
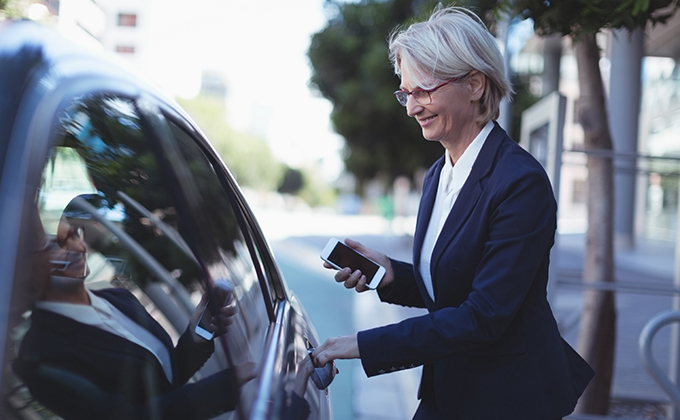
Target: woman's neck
(67, 290)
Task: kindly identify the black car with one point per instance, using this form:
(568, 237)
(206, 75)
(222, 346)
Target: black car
(88, 146)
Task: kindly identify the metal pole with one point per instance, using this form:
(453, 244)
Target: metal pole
(674, 362)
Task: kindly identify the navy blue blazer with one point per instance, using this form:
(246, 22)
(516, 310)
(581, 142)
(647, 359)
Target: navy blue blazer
(489, 346)
(83, 372)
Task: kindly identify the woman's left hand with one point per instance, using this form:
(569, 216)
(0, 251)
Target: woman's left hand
(346, 347)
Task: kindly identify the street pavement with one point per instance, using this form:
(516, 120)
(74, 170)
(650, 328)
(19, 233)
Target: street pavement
(298, 237)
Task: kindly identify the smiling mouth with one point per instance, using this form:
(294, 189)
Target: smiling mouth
(426, 120)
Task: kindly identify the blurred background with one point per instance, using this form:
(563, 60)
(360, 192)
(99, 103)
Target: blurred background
(297, 99)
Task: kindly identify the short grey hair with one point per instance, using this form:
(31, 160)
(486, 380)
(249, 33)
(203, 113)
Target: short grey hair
(451, 43)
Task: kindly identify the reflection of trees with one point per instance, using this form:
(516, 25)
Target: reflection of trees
(106, 131)
(216, 219)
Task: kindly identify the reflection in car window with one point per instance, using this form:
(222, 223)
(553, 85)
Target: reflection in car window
(102, 187)
(246, 334)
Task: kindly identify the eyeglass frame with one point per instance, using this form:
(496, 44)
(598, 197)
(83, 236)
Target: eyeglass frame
(402, 92)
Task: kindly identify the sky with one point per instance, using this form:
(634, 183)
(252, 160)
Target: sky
(262, 49)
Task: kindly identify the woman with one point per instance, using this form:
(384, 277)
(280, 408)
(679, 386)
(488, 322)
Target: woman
(489, 346)
(100, 354)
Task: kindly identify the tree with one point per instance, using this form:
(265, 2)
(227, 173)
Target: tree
(15, 8)
(351, 68)
(583, 20)
(292, 181)
(247, 156)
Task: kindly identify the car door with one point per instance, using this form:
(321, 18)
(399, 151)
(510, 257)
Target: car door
(161, 217)
(290, 332)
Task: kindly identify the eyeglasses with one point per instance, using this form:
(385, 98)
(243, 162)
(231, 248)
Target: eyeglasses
(421, 96)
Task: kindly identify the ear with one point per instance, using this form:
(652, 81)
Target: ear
(476, 85)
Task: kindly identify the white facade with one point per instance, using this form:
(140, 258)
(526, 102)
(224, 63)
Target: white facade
(154, 41)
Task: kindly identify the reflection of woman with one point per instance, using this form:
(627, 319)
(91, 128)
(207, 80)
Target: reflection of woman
(489, 346)
(100, 355)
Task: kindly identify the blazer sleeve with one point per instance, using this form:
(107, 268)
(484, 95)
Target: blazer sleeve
(190, 356)
(404, 290)
(501, 252)
(74, 397)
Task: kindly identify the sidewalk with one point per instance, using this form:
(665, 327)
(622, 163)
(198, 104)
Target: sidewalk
(650, 264)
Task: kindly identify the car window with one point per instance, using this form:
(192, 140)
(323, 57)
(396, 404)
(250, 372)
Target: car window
(230, 253)
(104, 187)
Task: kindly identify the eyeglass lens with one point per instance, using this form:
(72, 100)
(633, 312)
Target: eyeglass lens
(421, 96)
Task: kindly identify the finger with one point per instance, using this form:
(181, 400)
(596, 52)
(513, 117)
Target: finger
(321, 359)
(356, 245)
(221, 322)
(361, 284)
(227, 311)
(353, 280)
(342, 275)
(326, 265)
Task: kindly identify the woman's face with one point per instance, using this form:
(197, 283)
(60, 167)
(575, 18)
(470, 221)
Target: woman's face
(451, 117)
(68, 252)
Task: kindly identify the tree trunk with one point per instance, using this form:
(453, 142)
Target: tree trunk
(597, 336)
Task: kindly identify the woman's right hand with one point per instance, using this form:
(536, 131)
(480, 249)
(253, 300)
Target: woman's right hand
(357, 280)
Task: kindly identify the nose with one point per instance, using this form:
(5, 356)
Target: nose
(413, 108)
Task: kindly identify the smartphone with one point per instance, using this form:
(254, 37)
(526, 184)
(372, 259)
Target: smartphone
(220, 295)
(339, 255)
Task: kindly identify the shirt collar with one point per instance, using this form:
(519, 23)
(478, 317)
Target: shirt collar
(457, 174)
(85, 314)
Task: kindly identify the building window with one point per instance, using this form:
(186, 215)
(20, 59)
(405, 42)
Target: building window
(127, 19)
(125, 49)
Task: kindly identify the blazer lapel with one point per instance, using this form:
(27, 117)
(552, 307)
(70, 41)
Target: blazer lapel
(430, 185)
(469, 194)
(136, 312)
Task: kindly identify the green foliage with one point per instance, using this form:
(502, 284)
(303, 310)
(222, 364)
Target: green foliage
(315, 190)
(351, 68)
(522, 100)
(292, 181)
(248, 157)
(578, 17)
(15, 9)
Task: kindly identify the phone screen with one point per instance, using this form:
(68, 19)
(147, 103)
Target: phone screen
(344, 256)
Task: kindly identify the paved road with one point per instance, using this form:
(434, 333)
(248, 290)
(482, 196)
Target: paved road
(298, 239)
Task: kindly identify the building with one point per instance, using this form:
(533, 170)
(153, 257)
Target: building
(642, 78)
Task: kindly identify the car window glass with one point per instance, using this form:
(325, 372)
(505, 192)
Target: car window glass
(110, 218)
(231, 258)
